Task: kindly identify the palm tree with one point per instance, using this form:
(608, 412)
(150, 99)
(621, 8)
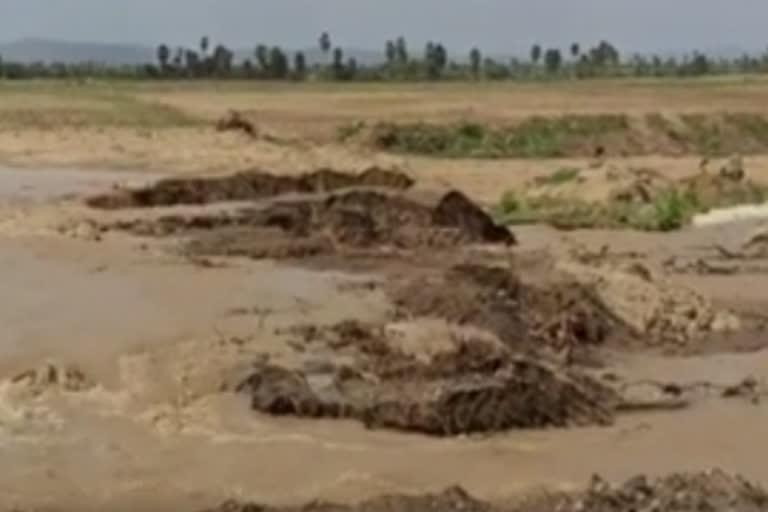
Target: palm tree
(401, 50)
(351, 68)
(163, 54)
(300, 65)
(325, 43)
(278, 63)
(178, 58)
(390, 51)
(475, 57)
(262, 56)
(191, 62)
(222, 60)
(429, 51)
(338, 62)
(575, 50)
(441, 56)
(429, 60)
(552, 60)
(204, 44)
(436, 60)
(535, 53)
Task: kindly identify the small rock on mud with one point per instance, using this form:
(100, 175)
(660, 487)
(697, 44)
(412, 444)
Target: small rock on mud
(234, 121)
(51, 376)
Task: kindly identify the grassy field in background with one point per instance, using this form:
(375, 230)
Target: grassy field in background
(485, 137)
(179, 103)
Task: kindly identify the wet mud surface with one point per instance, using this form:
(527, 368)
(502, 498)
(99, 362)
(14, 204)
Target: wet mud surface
(550, 316)
(472, 386)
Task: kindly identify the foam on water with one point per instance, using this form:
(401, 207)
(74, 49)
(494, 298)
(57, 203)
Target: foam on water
(732, 214)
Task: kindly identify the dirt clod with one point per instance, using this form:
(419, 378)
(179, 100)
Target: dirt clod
(664, 313)
(560, 315)
(52, 375)
(476, 387)
(234, 121)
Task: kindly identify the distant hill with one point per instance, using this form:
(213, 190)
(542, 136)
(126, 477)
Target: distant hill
(32, 50)
(717, 52)
(48, 50)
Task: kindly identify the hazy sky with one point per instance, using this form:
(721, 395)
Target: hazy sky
(494, 25)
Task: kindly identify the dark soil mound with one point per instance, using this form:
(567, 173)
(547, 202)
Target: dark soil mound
(244, 186)
(713, 491)
(234, 121)
(478, 387)
(364, 218)
(562, 315)
(454, 499)
(356, 218)
(455, 209)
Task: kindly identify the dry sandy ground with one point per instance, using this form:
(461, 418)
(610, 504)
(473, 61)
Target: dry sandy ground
(169, 127)
(203, 151)
(152, 332)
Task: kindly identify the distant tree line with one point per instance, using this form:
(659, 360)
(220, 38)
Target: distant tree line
(400, 63)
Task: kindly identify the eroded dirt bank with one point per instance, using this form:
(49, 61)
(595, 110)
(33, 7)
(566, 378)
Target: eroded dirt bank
(712, 490)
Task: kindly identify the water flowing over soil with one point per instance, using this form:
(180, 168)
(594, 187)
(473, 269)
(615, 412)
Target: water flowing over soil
(376, 345)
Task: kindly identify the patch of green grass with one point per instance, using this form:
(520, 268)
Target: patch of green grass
(669, 208)
(660, 125)
(563, 213)
(59, 118)
(559, 177)
(749, 124)
(349, 130)
(73, 107)
(704, 133)
(535, 137)
(656, 122)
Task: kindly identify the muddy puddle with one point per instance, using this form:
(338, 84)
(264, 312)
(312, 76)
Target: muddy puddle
(19, 184)
(175, 359)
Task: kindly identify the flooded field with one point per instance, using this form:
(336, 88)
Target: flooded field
(282, 344)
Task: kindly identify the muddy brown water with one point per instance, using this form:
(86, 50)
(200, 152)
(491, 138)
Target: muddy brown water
(141, 323)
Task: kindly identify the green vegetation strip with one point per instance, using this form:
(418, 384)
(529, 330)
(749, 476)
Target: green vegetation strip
(83, 107)
(535, 137)
(667, 208)
(584, 135)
